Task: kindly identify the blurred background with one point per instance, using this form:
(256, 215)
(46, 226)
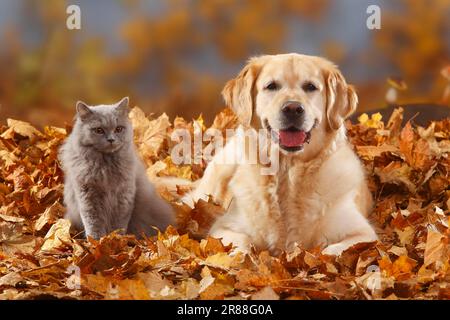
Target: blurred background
(175, 55)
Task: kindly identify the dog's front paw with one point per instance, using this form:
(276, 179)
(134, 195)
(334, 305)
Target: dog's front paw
(334, 249)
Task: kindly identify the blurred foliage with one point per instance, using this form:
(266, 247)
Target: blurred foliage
(160, 69)
(415, 40)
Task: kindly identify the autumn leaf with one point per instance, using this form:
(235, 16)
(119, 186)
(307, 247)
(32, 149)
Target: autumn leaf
(370, 152)
(22, 128)
(226, 119)
(396, 173)
(58, 237)
(407, 172)
(266, 293)
(149, 135)
(436, 252)
(224, 261)
(400, 269)
(49, 217)
(373, 122)
(110, 288)
(406, 143)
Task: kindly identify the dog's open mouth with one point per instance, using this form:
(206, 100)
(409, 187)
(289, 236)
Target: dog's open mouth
(290, 139)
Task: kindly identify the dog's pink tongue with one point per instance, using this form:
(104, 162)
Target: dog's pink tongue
(292, 138)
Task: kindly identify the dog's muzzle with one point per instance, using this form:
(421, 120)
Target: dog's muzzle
(292, 114)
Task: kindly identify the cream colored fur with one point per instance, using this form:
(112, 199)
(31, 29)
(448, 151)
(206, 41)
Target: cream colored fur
(319, 195)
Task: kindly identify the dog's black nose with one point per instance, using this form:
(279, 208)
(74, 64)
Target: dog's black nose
(292, 109)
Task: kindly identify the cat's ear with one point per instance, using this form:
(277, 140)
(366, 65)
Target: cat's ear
(83, 110)
(122, 105)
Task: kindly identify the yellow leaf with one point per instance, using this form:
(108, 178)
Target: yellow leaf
(435, 250)
(50, 215)
(406, 235)
(9, 218)
(110, 288)
(22, 128)
(200, 122)
(370, 152)
(373, 122)
(205, 283)
(55, 132)
(226, 119)
(403, 267)
(8, 158)
(398, 251)
(406, 143)
(149, 134)
(155, 169)
(154, 283)
(181, 171)
(223, 260)
(58, 236)
(363, 118)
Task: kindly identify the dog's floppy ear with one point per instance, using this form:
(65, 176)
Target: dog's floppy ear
(238, 92)
(341, 99)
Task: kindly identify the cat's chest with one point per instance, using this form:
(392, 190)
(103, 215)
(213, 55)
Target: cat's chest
(114, 173)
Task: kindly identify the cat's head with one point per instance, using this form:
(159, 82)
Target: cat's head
(105, 128)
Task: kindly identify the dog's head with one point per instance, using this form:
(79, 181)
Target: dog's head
(300, 99)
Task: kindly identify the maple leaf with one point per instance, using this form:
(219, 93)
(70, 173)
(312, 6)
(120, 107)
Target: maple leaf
(407, 170)
(396, 173)
(49, 217)
(223, 261)
(199, 219)
(373, 122)
(406, 143)
(436, 252)
(400, 269)
(110, 288)
(149, 135)
(58, 237)
(370, 152)
(21, 128)
(226, 119)
(8, 158)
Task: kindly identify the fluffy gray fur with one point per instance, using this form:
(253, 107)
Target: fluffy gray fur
(106, 187)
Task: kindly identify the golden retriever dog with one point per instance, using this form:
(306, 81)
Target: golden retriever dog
(318, 196)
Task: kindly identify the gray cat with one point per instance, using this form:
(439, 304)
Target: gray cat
(106, 187)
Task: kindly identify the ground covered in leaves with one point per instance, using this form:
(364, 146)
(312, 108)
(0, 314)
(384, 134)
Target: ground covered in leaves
(409, 173)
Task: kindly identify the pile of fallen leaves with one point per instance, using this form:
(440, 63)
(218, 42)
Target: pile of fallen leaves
(408, 170)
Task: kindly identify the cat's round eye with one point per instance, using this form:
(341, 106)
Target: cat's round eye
(119, 129)
(99, 130)
(309, 87)
(272, 86)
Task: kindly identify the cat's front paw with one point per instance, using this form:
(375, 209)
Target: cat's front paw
(95, 234)
(334, 249)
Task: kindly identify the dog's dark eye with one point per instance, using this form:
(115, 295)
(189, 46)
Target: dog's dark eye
(98, 130)
(272, 86)
(309, 87)
(119, 129)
